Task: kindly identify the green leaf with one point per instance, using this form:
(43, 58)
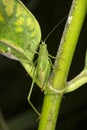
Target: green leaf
(19, 31)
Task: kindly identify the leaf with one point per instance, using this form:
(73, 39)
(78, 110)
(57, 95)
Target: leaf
(19, 31)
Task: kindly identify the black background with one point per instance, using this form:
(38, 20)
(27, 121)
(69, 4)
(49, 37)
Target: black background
(15, 82)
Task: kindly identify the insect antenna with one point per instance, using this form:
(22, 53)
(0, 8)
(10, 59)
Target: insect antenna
(58, 24)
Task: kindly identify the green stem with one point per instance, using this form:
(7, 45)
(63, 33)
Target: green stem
(58, 78)
(77, 82)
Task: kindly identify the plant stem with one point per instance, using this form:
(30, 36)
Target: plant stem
(77, 82)
(64, 56)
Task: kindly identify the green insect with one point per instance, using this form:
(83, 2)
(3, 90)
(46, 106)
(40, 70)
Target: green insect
(42, 71)
(43, 67)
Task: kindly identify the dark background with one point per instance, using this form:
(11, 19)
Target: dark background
(15, 82)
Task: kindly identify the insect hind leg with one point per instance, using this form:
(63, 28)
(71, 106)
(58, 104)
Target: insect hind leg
(29, 96)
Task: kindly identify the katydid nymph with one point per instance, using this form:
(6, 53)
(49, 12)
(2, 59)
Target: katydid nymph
(42, 71)
(43, 67)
